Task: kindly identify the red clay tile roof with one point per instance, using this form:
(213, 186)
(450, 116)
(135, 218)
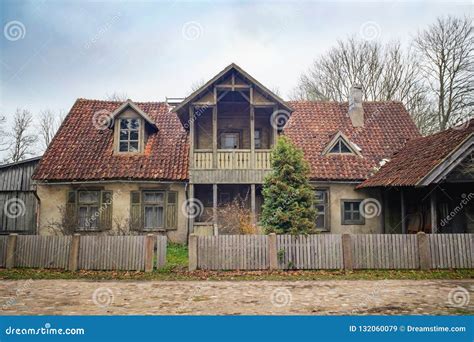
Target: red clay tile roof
(313, 124)
(80, 151)
(420, 156)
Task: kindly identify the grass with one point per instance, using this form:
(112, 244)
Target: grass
(178, 273)
(176, 258)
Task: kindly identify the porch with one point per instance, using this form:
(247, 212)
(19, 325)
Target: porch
(227, 208)
(443, 208)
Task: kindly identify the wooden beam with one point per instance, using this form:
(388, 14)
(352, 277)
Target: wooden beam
(252, 137)
(252, 204)
(191, 137)
(403, 211)
(214, 137)
(214, 208)
(190, 217)
(275, 127)
(434, 213)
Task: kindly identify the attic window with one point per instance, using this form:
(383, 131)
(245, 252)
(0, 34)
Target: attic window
(340, 147)
(129, 140)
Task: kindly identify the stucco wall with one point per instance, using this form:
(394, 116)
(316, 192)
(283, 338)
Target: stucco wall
(346, 191)
(53, 198)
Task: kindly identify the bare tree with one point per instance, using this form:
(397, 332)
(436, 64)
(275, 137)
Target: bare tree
(3, 134)
(445, 50)
(21, 140)
(116, 96)
(385, 72)
(49, 122)
(196, 85)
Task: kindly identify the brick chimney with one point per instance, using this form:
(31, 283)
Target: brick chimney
(356, 112)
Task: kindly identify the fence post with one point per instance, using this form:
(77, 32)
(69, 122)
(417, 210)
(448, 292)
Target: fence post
(424, 251)
(192, 249)
(347, 252)
(272, 251)
(149, 252)
(74, 252)
(11, 249)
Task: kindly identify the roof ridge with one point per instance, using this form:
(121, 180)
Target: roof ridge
(119, 102)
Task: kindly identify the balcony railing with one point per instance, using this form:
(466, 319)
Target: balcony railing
(232, 159)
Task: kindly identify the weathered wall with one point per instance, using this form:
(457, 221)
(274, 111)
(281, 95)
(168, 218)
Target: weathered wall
(346, 191)
(53, 198)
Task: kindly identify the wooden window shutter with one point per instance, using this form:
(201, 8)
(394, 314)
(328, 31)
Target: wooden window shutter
(136, 221)
(106, 210)
(70, 220)
(172, 210)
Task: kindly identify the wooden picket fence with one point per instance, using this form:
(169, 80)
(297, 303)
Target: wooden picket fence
(385, 251)
(309, 252)
(331, 251)
(452, 250)
(37, 251)
(3, 251)
(230, 252)
(130, 253)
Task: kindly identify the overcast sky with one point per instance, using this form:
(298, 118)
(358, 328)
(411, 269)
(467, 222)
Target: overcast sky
(52, 52)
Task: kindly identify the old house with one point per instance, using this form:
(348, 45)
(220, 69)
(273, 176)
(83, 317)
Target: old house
(134, 168)
(429, 184)
(18, 200)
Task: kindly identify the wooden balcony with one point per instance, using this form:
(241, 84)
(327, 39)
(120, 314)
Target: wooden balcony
(231, 160)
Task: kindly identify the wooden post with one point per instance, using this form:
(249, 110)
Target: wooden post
(11, 249)
(214, 136)
(347, 252)
(275, 126)
(424, 251)
(149, 252)
(403, 211)
(74, 253)
(434, 213)
(191, 137)
(190, 199)
(272, 251)
(192, 249)
(252, 137)
(252, 204)
(214, 208)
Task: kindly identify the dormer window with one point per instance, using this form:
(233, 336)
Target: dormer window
(129, 135)
(340, 147)
(132, 127)
(340, 144)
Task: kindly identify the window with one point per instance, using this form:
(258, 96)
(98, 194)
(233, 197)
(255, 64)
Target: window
(322, 208)
(258, 138)
(340, 147)
(230, 141)
(350, 212)
(153, 205)
(88, 210)
(129, 135)
(153, 210)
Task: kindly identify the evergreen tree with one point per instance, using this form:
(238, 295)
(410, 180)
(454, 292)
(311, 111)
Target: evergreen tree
(288, 197)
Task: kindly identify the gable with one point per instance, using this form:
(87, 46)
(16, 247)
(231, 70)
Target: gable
(234, 79)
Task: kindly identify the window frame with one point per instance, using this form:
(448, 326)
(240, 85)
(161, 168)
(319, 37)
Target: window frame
(327, 206)
(360, 221)
(259, 139)
(157, 204)
(129, 141)
(237, 133)
(88, 205)
(339, 144)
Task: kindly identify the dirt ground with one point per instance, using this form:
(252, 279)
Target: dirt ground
(337, 297)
